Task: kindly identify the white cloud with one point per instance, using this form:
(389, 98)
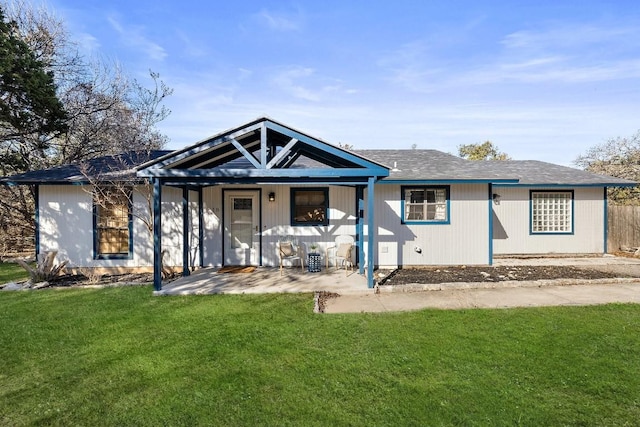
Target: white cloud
(278, 21)
(571, 36)
(133, 37)
(87, 42)
(288, 79)
(562, 54)
(244, 73)
(191, 48)
(306, 84)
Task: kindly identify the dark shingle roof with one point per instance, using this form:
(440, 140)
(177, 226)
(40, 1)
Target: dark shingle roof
(436, 165)
(537, 172)
(108, 167)
(414, 165)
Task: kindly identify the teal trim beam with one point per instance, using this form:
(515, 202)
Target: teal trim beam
(263, 173)
(568, 185)
(388, 181)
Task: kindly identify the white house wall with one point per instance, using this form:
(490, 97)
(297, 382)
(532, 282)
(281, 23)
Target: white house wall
(66, 225)
(172, 240)
(212, 232)
(464, 241)
(512, 216)
(276, 220)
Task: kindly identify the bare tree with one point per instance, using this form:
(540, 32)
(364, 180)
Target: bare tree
(108, 112)
(619, 157)
(112, 181)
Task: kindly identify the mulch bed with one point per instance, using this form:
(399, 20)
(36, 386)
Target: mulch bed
(488, 274)
(106, 280)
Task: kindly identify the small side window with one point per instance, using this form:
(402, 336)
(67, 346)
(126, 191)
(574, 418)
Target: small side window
(551, 212)
(425, 205)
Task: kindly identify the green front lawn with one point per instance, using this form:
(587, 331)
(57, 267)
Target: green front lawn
(120, 356)
(11, 272)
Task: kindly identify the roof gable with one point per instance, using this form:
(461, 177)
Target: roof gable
(263, 148)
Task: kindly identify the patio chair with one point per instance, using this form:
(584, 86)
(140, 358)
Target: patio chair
(289, 250)
(341, 252)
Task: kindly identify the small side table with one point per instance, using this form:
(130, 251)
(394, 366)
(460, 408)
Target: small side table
(314, 263)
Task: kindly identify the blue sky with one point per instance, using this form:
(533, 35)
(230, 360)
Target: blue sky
(542, 80)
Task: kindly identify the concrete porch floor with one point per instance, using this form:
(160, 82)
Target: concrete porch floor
(266, 280)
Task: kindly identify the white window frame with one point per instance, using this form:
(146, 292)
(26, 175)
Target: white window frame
(426, 209)
(551, 212)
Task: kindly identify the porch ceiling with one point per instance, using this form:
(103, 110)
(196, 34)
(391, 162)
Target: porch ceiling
(263, 150)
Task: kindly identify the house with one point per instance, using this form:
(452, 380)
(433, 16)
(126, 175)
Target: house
(228, 199)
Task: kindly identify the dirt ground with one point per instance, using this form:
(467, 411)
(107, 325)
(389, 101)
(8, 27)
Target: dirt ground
(424, 275)
(492, 274)
(106, 280)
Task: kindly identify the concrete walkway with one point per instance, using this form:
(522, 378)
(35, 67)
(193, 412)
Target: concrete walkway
(627, 291)
(266, 280)
(562, 292)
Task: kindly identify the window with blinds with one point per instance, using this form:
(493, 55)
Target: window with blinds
(113, 227)
(425, 204)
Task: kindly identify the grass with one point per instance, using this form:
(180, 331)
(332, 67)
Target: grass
(11, 272)
(120, 356)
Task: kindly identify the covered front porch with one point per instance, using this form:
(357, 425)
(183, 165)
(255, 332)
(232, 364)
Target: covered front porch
(236, 173)
(266, 280)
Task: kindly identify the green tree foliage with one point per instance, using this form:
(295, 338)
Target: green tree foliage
(619, 157)
(29, 106)
(481, 151)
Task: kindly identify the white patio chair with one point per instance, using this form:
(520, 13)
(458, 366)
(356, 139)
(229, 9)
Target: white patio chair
(289, 250)
(341, 252)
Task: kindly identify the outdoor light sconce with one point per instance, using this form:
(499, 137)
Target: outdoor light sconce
(496, 198)
(272, 197)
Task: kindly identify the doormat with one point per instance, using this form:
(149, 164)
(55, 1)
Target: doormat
(237, 269)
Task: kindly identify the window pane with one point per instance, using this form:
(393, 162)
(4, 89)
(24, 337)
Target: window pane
(425, 204)
(309, 207)
(113, 225)
(551, 212)
(241, 223)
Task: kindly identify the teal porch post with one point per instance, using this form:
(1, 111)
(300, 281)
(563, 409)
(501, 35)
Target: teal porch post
(360, 227)
(370, 231)
(200, 227)
(185, 231)
(157, 234)
(490, 224)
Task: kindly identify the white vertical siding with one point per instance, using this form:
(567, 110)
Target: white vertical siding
(66, 225)
(194, 230)
(512, 216)
(276, 220)
(212, 226)
(465, 240)
(172, 226)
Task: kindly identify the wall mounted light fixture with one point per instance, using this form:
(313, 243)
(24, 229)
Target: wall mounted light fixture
(496, 198)
(272, 197)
